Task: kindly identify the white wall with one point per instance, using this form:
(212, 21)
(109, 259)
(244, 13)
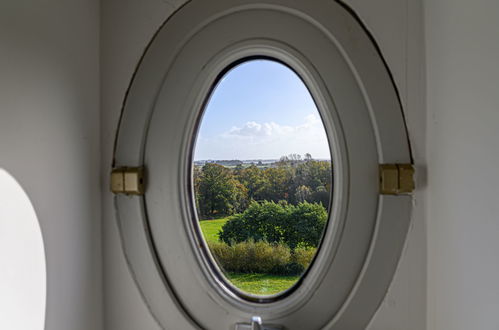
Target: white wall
(127, 27)
(49, 141)
(463, 142)
(398, 29)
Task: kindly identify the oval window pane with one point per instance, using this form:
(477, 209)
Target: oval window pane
(262, 177)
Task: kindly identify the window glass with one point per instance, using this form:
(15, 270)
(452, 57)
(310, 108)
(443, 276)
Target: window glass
(262, 177)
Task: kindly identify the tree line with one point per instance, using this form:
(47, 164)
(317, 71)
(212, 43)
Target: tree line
(221, 190)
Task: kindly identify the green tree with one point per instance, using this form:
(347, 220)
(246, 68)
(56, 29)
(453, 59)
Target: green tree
(305, 225)
(313, 174)
(300, 225)
(219, 192)
(303, 194)
(278, 183)
(196, 180)
(259, 222)
(321, 195)
(254, 180)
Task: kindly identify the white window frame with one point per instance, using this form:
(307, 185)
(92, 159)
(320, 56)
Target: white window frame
(357, 100)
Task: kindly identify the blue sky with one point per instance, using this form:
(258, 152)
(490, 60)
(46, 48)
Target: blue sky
(260, 110)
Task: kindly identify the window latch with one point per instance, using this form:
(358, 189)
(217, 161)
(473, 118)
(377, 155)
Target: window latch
(127, 180)
(256, 324)
(396, 179)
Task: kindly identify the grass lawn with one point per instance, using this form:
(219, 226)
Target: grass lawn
(210, 228)
(262, 284)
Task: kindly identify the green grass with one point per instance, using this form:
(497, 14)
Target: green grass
(262, 284)
(210, 228)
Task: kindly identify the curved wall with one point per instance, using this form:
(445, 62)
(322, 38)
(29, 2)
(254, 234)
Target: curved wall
(49, 141)
(463, 131)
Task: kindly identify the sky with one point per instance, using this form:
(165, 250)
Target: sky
(260, 110)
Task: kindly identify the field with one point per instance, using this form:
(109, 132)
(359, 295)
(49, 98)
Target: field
(258, 284)
(210, 228)
(262, 284)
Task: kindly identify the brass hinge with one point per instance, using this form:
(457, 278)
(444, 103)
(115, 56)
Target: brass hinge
(127, 180)
(396, 179)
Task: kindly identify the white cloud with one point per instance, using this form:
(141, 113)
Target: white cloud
(256, 130)
(255, 140)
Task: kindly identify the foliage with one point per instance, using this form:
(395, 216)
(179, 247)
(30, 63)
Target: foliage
(303, 194)
(252, 178)
(218, 192)
(277, 223)
(261, 257)
(321, 195)
(313, 174)
(278, 183)
(303, 255)
(305, 225)
(225, 190)
(276, 216)
(251, 257)
(260, 221)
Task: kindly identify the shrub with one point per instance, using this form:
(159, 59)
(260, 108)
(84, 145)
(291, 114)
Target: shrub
(291, 268)
(277, 223)
(305, 224)
(303, 255)
(259, 222)
(254, 257)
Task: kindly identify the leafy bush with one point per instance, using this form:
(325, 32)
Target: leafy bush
(277, 223)
(262, 257)
(304, 225)
(260, 222)
(252, 257)
(303, 255)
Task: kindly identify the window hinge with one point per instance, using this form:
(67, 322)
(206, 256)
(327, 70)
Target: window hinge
(127, 180)
(256, 324)
(396, 179)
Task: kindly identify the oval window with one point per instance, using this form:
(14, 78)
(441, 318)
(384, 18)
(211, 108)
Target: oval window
(262, 199)
(212, 57)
